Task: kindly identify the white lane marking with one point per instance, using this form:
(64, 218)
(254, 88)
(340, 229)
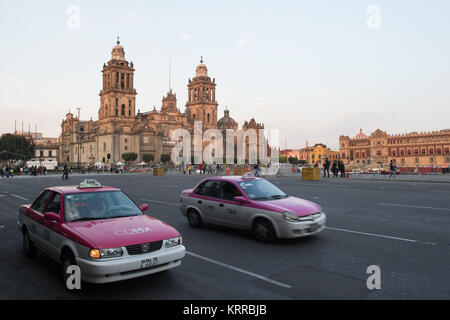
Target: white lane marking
(380, 236)
(411, 206)
(442, 191)
(20, 197)
(336, 229)
(249, 273)
(1, 227)
(163, 202)
(2, 195)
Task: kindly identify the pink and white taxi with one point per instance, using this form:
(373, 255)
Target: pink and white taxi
(99, 229)
(251, 203)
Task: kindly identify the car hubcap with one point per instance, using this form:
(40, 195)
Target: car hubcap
(193, 219)
(262, 232)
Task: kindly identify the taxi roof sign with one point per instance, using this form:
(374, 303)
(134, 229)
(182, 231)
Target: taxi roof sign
(248, 175)
(90, 183)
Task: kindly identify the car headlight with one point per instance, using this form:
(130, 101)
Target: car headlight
(106, 253)
(169, 243)
(289, 216)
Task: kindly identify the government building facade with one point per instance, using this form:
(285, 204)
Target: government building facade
(409, 150)
(120, 129)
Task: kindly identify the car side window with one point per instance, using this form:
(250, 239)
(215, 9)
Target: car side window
(211, 189)
(229, 191)
(54, 204)
(39, 204)
(199, 189)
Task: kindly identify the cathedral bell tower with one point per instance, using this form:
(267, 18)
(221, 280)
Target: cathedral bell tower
(118, 96)
(202, 104)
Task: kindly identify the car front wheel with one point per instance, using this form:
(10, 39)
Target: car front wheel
(263, 231)
(67, 260)
(194, 219)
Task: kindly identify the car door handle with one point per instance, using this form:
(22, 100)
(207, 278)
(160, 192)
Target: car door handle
(199, 201)
(221, 205)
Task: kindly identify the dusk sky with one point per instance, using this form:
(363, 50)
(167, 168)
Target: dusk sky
(313, 69)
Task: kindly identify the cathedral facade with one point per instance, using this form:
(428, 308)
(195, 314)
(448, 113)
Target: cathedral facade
(120, 129)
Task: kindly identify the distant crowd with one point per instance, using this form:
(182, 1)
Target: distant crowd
(10, 171)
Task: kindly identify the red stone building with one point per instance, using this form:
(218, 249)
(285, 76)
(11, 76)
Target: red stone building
(409, 150)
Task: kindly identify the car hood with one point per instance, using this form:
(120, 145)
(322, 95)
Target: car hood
(125, 231)
(298, 206)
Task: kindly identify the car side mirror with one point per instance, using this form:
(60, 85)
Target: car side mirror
(240, 199)
(51, 216)
(143, 207)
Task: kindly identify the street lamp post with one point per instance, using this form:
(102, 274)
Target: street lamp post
(79, 140)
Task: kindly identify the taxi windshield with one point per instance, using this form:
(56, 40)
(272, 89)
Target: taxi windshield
(260, 189)
(98, 205)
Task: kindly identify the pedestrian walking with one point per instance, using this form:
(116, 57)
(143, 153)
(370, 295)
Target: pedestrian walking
(393, 168)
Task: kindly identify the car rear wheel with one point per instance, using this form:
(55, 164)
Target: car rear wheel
(263, 231)
(29, 250)
(194, 219)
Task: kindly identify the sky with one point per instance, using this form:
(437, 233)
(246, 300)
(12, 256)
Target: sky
(315, 70)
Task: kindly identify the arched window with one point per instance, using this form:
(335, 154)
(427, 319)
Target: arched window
(208, 117)
(122, 111)
(194, 116)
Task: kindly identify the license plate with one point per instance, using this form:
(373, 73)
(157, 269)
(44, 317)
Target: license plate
(313, 227)
(147, 263)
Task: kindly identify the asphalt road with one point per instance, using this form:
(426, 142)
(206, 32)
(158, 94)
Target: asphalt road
(402, 227)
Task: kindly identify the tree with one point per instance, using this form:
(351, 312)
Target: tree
(293, 160)
(13, 147)
(129, 156)
(283, 159)
(302, 162)
(148, 157)
(165, 158)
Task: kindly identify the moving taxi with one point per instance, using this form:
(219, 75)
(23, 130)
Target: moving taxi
(251, 203)
(100, 230)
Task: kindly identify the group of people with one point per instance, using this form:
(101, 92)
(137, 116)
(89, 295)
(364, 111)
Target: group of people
(203, 168)
(337, 167)
(8, 171)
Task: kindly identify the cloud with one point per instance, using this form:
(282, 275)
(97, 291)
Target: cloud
(299, 52)
(242, 43)
(133, 17)
(187, 37)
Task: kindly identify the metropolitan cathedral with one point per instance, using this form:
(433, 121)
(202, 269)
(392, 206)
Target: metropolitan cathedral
(120, 129)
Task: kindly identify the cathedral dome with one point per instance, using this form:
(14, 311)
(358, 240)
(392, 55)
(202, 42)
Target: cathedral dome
(360, 135)
(118, 53)
(227, 122)
(202, 70)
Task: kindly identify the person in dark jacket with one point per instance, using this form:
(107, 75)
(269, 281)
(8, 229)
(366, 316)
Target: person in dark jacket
(341, 166)
(334, 169)
(393, 168)
(326, 167)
